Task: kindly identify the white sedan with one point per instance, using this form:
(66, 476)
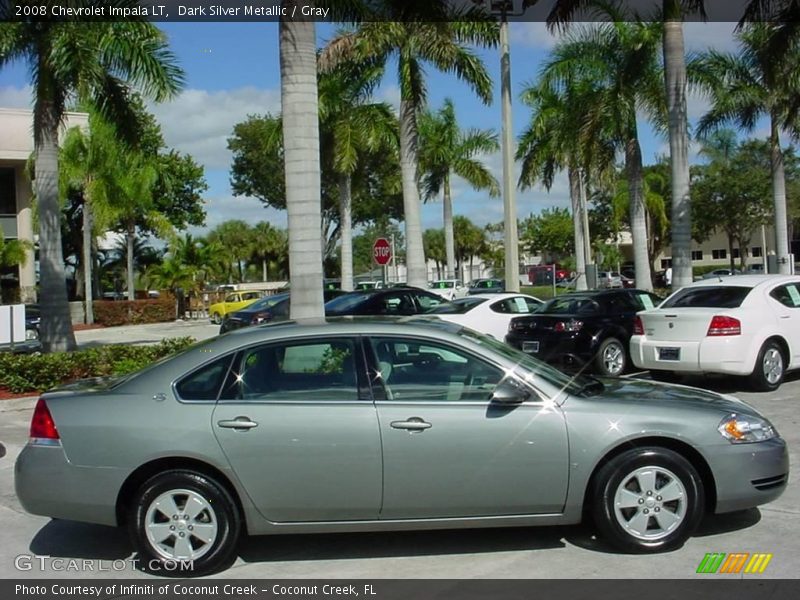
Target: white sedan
(487, 313)
(745, 325)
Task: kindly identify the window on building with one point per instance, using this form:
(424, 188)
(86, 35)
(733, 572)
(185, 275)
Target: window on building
(756, 252)
(697, 255)
(8, 192)
(719, 254)
(666, 263)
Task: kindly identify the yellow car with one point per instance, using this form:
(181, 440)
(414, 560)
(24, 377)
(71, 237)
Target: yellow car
(233, 302)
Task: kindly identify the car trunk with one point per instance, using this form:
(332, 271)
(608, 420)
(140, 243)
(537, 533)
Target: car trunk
(678, 324)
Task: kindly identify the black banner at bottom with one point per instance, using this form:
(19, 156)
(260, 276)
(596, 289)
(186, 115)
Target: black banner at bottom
(392, 589)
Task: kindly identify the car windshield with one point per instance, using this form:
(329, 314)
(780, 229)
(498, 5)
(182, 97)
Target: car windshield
(441, 285)
(570, 305)
(267, 302)
(486, 284)
(456, 307)
(576, 384)
(345, 303)
(724, 296)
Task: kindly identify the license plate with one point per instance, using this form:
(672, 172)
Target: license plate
(669, 353)
(530, 346)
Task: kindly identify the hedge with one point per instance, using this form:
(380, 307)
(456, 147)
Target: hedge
(127, 312)
(21, 373)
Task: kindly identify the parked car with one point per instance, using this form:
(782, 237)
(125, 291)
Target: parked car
(369, 285)
(747, 325)
(487, 313)
(449, 289)
(543, 274)
(609, 280)
(269, 309)
(31, 342)
(487, 286)
(233, 302)
(583, 328)
(392, 301)
(367, 426)
(716, 273)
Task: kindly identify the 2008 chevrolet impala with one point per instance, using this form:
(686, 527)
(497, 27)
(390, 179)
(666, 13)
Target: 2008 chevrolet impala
(355, 425)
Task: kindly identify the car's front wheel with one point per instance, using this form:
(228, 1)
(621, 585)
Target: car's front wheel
(611, 360)
(647, 500)
(769, 369)
(184, 523)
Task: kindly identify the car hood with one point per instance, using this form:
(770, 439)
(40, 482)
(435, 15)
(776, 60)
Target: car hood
(637, 391)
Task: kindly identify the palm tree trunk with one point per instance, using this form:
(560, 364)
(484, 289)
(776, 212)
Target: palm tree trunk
(415, 253)
(675, 80)
(449, 241)
(577, 227)
(87, 261)
(633, 164)
(264, 269)
(301, 163)
(130, 239)
(346, 232)
(779, 200)
(56, 326)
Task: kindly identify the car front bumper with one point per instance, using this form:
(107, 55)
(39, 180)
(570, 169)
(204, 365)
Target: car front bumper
(748, 475)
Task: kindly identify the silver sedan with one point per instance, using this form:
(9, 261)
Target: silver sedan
(354, 425)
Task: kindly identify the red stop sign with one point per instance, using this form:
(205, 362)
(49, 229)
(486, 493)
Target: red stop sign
(382, 251)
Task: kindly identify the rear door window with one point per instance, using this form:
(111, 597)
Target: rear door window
(788, 295)
(727, 296)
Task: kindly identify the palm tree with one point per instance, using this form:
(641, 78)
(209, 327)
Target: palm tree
(746, 86)
(98, 62)
(267, 246)
(444, 150)
(356, 126)
(433, 239)
(672, 14)
(416, 36)
(620, 61)
(13, 252)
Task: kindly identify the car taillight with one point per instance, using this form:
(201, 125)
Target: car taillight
(573, 325)
(42, 424)
(638, 326)
(260, 318)
(517, 325)
(721, 325)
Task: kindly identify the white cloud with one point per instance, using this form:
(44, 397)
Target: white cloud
(200, 122)
(14, 97)
(532, 35)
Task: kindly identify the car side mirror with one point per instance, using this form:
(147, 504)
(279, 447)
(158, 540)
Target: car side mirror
(509, 391)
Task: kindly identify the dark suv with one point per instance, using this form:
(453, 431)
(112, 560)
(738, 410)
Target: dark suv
(583, 329)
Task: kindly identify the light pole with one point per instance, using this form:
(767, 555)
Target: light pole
(504, 9)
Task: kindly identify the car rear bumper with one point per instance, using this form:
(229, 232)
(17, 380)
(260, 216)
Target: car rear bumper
(567, 350)
(711, 355)
(748, 475)
(48, 484)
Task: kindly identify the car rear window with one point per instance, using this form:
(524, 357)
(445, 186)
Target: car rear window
(570, 305)
(457, 307)
(724, 296)
(346, 302)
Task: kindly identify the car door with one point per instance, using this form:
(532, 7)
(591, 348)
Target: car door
(784, 302)
(448, 450)
(298, 427)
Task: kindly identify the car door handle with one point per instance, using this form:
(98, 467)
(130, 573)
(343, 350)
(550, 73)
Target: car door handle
(242, 423)
(412, 424)
(786, 317)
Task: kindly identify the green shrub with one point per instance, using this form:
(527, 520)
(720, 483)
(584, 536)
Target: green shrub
(125, 312)
(21, 373)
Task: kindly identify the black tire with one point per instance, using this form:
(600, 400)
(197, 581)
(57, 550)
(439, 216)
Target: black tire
(770, 367)
(215, 318)
(650, 524)
(611, 359)
(664, 376)
(216, 512)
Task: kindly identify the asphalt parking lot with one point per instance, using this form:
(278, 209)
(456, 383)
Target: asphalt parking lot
(551, 552)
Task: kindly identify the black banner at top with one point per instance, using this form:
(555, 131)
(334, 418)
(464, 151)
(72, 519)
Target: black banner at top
(352, 11)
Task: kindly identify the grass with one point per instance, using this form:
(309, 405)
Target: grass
(543, 291)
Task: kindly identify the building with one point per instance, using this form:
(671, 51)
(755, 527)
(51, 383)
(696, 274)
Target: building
(16, 215)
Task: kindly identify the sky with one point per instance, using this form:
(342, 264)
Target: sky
(232, 71)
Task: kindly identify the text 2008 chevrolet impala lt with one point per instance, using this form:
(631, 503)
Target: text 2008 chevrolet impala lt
(366, 425)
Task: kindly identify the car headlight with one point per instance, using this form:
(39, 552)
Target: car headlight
(745, 429)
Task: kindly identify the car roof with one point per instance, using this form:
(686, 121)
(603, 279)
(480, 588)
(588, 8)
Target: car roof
(501, 296)
(745, 280)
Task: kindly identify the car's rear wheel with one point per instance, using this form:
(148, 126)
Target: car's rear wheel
(215, 318)
(184, 523)
(647, 500)
(611, 360)
(769, 369)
